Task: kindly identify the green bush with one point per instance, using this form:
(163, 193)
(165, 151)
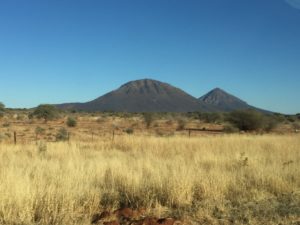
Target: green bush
(62, 135)
(129, 130)
(247, 120)
(46, 112)
(71, 122)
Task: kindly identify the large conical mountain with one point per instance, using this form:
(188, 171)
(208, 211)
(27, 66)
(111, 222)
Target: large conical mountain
(144, 96)
(224, 101)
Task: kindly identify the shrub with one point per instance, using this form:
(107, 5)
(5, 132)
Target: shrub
(291, 118)
(46, 112)
(228, 128)
(279, 117)
(296, 126)
(210, 117)
(129, 130)
(181, 123)
(42, 147)
(247, 120)
(62, 135)
(39, 130)
(71, 122)
(6, 124)
(271, 122)
(148, 118)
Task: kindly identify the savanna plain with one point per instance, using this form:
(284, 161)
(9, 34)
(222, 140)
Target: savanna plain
(222, 178)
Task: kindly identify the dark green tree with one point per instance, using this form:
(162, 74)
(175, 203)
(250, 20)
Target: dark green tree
(2, 109)
(247, 120)
(46, 112)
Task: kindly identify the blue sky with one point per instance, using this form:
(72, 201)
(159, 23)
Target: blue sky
(55, 51)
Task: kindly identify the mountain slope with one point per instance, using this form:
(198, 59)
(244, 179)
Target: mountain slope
(144, 96)
(225, 102)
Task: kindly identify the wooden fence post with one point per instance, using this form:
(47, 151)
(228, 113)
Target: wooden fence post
(15, 137)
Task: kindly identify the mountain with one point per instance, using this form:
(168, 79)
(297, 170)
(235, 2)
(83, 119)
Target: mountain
(225, 102)
(144, 96)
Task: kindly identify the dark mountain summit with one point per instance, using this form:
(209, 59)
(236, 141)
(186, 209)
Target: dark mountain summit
(224, 101)
(144, 96)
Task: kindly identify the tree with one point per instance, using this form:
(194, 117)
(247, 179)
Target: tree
(2, 109)
(2, 106)
(247, 120)
(46, 112)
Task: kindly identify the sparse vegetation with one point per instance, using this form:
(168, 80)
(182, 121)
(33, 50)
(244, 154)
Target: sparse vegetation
(71, 122)
(6, 124)
(202, 178)
(39, 130)
(62, 134)
(181, 123)
(129, 130)
(210, 117)
(148, 118)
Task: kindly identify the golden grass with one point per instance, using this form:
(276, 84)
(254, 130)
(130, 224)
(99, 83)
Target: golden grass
(227, 179)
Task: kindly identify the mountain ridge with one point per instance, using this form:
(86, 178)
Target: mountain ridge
(145, 95)
(148, 95)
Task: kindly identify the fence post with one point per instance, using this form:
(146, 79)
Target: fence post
(189, 133)
(15, 137)
(113, 135)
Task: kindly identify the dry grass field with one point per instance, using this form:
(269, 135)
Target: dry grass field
(111, 162)
(222, 179)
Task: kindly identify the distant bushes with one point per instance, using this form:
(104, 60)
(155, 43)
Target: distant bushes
(251, 120)
(210, 117)
(148, 119)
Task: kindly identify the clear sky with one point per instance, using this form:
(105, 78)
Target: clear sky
(56, 51)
